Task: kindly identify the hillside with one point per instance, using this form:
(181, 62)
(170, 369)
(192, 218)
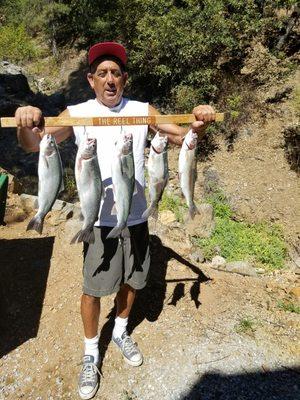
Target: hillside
(204, 333)
(208, 331)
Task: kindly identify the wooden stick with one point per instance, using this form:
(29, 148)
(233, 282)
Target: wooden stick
(8, 122)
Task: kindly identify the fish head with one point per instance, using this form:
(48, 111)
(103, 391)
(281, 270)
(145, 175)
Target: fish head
(191, 140)
(48, 145)
(89, 148)
(159, 143)
(124, 143)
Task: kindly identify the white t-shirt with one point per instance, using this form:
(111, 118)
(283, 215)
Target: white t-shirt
(106, 138)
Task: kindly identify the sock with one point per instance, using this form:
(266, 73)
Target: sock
(120, 326)
(91, 348)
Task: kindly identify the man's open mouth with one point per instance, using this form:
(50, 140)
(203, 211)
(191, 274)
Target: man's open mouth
(111, 92)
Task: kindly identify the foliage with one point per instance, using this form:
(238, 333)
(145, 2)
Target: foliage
(246, 325)
(260, 243)
(220, 204)
(234, 105)
(70, 191)
(296, 100)
(178, 50)
(289, 306)
(16, 45)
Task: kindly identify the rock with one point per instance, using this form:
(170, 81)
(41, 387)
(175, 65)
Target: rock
(203, 223)
(197, 256)
(167, 217)
(77, 211)
(59, 205)
(72, 226)
(18, 215)
(61, 209)
(295, 292)
(28, 202)
(218, 261)
(15, 84)
(240, 267)
(57, 217)
(8, 68)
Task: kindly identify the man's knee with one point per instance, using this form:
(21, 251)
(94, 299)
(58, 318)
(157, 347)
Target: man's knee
(89, 300)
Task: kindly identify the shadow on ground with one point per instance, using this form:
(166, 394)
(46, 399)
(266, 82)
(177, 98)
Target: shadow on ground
(281, 384)
(149, 301)
(24, 268)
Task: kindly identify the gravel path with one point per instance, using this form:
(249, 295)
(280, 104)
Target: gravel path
(187, 323)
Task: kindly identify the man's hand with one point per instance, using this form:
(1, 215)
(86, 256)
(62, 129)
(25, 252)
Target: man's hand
(204, 115)
(30, 117)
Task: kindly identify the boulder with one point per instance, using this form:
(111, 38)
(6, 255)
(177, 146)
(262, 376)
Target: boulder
(203, 223)
(238, 267)
(197, 256)
(29, 202)
(218, 261)
(167, 217)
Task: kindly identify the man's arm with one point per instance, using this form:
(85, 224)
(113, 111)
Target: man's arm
(30, 130)
(204, 114)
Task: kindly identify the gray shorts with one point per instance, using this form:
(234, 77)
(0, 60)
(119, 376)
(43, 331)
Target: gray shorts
(109, 263)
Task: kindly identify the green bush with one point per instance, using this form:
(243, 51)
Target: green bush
(246, 325)
(220, 203)
(16, 45)
(260, 243)
(289, 306)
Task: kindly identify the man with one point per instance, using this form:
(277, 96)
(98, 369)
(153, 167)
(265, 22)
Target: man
(110, 265)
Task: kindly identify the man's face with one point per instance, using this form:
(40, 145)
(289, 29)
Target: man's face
(108, 82)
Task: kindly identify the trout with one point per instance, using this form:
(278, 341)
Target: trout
(188, 170)
(158, 173)
(50, 175)
(123, 180)
(89, 186)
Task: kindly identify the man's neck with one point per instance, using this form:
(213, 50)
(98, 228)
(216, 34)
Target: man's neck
(112, 108)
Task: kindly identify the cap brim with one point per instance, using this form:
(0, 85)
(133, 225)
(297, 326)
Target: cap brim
(109, 49)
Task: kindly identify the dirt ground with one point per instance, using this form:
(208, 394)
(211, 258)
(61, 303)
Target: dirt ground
(205, 334)
(188, 322)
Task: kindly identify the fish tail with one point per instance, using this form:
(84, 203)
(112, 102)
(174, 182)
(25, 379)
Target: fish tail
(84, 235)
(150, 212)
(193, 210)
(36, 223)
(115, 232)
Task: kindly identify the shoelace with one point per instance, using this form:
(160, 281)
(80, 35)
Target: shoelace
(129, 346)
(88, 372)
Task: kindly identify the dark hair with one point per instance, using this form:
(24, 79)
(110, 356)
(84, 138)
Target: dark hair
(108, 57)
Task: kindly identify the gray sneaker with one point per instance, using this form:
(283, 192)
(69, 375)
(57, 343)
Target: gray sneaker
(129, 349)
(88, 379)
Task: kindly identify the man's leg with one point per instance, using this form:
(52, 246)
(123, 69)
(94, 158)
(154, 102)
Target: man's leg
(130, 351)
(90, 312)
(125, 299)
(89, 376)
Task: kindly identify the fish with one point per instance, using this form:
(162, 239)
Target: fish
(89, 187)
(158, 173)
(50, 174)
(188, 170)
(123, 180)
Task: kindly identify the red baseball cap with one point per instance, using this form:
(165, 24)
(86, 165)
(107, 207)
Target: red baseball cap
(107, 48)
